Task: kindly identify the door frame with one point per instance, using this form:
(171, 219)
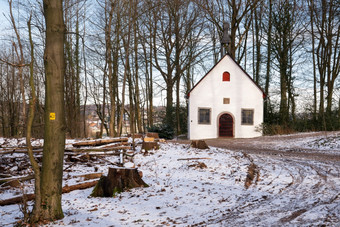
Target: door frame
(218, 125)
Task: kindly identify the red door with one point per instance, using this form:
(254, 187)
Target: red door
(226, 126)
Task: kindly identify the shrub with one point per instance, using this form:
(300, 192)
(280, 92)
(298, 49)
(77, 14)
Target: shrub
(164, 131)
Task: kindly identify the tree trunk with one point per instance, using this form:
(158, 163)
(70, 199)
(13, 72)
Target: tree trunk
(138, 114)
(169, 105)
(266, 89)
(54, 132)
(115, 110)
(315, 101)
(126, 72)
(178, 123)
(150, 114)
(20, 56)
(257, 63)
(30, 119)
(131, 104)
(76, 114)
(109, 9)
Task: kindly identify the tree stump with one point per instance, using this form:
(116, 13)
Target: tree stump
(117, 180)
(150, 146)
(200, 144)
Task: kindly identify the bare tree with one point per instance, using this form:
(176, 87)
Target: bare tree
(20, 63)
(288, 29)
(126, 42)
(177, 24)
(268, 64)
(73, 11)
(326, 40)
(48, 201)
(235, 12)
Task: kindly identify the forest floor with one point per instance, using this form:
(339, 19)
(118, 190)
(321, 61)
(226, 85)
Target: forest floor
(289, 180)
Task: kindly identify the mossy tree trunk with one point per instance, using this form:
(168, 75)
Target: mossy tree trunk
(49, 207)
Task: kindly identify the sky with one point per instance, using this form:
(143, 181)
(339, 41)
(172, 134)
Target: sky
(3, 10)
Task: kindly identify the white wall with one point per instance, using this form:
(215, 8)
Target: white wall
(209, 93)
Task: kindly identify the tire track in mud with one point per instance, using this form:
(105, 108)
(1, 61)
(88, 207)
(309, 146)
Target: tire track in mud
(287, 202)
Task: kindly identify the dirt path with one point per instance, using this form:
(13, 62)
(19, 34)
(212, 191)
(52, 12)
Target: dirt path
(285, 146)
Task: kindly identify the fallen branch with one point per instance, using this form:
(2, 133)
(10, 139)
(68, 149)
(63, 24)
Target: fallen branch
(99, 142)
(107, 161)
(69, 166)
(30, 197)
(16, 200)
(89, 176)
(25, 178)
(181, 159)
(19, 150)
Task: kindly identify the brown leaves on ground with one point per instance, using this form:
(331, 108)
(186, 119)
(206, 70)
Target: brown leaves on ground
(252, 173)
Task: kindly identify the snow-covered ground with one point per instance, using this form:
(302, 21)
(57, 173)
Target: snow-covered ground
(208, 187)
(328, 142)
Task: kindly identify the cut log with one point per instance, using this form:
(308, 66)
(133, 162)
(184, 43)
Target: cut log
(149, 139)
(152, 134)
(99, 142)
(115, 145)
(136, 135)
(117, 180)
(65, 189)
(200, 144)
(150, 146)
(99, 149)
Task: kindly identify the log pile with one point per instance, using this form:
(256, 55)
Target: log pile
(15, 173)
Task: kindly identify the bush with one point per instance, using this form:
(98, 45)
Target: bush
(275, 129)
(164, 131)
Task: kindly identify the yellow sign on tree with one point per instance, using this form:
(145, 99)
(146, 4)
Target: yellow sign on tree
(52, 116)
